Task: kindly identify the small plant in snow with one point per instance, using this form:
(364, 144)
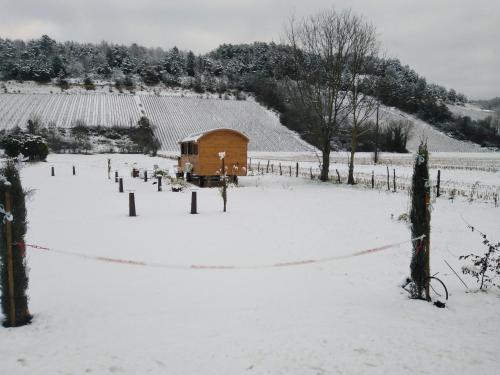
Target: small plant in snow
(473, 192)
(484, 268)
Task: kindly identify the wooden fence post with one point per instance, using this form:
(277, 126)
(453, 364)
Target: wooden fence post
(131, 204)
(120, 185)
(267, 167)
(74, 171)
(250, 164)
(388, 183)
(297, 169)
(159, 183)
(311, 172)
(194, 209)
(338, 175)
(116, 176)
(52, 172)
(281, 171)
(290, 166)
(373, 180)
(145, 176)
(438, 186)
(394, 179)
(272, 168)
(109, 169)
(258, 167)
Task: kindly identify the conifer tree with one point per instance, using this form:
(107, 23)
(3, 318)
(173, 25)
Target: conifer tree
(12, 182)
(420, 222)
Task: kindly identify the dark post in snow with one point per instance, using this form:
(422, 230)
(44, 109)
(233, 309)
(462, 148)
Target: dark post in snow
(388, 182)
(290, 166)
(394, 180)
(311, 172)
(116, 176)
(338, 175)
(109, 169)
(297, 169)
(438, 186)
(52, 172)
(74, 171)
(131, 204)
(281, 171)
(194, 209)
(267, 167)
(250, 164)
(258, 167)
(120, 185)
(373, 180)
(145, 176)
(159, 183)
(272, 168)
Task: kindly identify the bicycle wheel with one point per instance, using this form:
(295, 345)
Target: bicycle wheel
(437, 289)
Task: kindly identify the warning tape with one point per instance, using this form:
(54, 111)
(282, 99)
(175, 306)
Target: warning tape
(223, 267)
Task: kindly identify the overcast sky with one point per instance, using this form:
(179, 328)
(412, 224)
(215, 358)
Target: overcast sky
(454, 43)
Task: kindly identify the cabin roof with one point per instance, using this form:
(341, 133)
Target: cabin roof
(195, 137)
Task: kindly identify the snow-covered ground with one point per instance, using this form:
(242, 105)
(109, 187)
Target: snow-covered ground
(470, 110)
(344, 316)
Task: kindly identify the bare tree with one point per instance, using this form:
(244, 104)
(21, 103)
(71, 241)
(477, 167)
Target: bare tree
(321, 46)
(363, 51)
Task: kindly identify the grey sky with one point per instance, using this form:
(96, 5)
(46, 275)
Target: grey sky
(450, 42)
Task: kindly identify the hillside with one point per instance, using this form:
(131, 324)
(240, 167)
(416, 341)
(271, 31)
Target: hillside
(173, 117)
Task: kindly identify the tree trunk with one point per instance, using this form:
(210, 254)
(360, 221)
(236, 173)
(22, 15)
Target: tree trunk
(325, 167)
(354, 144)
(375, 153)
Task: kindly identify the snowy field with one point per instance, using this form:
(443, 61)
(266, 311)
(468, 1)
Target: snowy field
(342, 315)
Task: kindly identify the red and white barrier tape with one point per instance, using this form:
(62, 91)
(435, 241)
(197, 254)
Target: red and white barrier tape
(221, 267)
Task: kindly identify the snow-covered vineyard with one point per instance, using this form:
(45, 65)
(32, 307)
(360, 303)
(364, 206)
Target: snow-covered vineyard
(173, 117)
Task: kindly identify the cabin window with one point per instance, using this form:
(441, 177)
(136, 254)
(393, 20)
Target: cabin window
(189, 148)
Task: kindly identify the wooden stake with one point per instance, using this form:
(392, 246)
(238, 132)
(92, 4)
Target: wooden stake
(10, 261)
(311, 172)
(120, 185)
(74, 171)
(116, 176)
(438, 192)
(388, 183)
(281, 171)
(159, 183)
(394, 179)
(194, 209)
(338, 175)
(297, 170)
(52, 172)
(109, 169)
(373, 179)
(131, 204)
(145, 176)
(267, 167)
(427, 248)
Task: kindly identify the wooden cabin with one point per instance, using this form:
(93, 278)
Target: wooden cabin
(202, 152)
